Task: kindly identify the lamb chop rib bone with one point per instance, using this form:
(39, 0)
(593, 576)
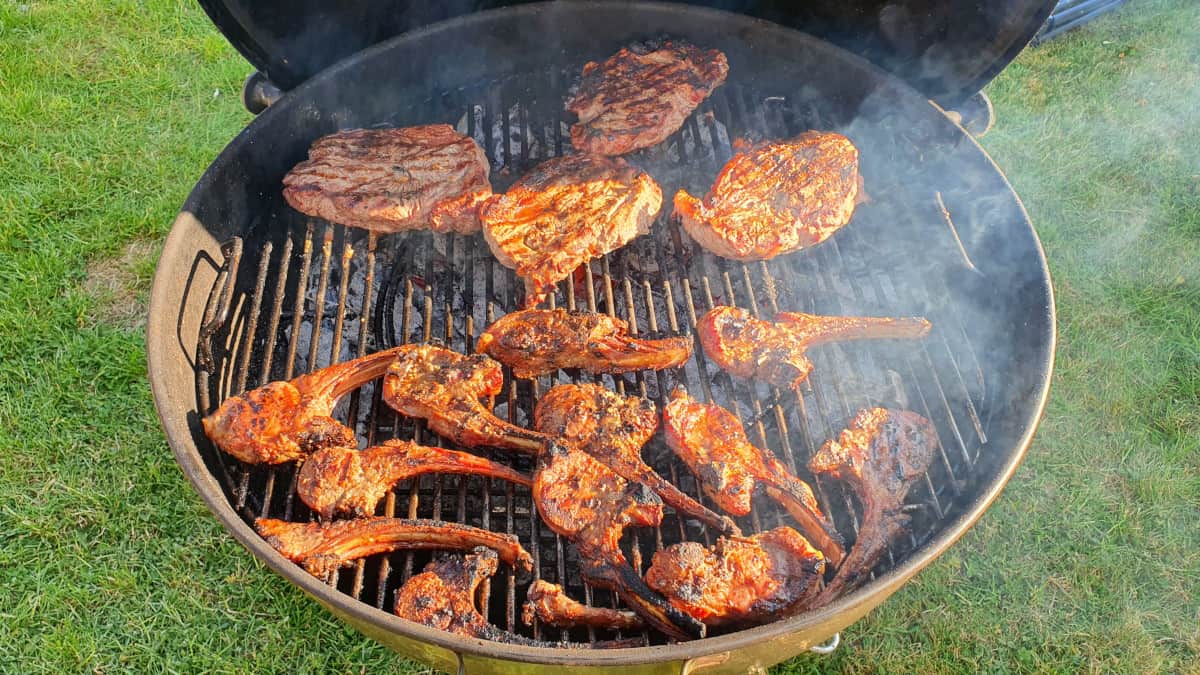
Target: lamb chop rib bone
(551, 605)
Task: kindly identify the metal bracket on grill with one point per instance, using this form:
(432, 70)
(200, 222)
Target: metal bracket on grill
(231, 250)
(829, 647)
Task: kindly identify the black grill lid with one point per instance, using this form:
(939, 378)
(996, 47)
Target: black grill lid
(947, 49)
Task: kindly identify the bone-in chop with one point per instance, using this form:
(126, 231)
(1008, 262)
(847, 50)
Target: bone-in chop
(551, 605)
(642, 94)
(582, 500)
(612, 429)
(390, 180)
(443, 387)
(321, 548)
(777, 197)
(775, 352)
(880, 456)
(713, 443)
(347, 480)
(740, 581)
(538, 341)
(565, 212)
(288, 420)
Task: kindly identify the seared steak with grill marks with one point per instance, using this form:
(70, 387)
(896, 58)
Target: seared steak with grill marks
(775, 198)
(390, 180)
(565, 212)
(642, 94)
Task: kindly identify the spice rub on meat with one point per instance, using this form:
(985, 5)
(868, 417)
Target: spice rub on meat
(391, 180)
(642, 94)
(566, 211)
(776, 197)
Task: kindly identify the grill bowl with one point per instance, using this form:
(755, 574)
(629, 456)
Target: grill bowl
(224, 304)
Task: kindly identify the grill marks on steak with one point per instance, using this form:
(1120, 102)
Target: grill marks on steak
(775, 198)
(642, 94)
(392, 180)
(565, 212)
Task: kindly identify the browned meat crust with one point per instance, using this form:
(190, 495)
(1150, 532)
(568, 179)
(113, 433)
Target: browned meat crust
(443, 387)
(551, 605)
(347, 480)
(390, 180)
(613, 428)
(538, 341)
(713, 443)
(880, 456)
(775, 352)
(642, 94)
(321, 548)
(284, 421)
(775, 198)
(565, 212)
(740, 581)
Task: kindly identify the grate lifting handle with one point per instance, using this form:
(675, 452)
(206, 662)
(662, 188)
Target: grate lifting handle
(216, 315)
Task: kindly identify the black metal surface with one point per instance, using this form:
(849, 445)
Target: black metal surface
(943, 236)
(946, 50)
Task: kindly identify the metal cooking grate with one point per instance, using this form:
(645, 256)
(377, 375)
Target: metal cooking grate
(320, 293)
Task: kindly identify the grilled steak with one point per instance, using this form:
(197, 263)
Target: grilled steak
(565, 212)
(390, 180)
(642, 94)
(775, 198)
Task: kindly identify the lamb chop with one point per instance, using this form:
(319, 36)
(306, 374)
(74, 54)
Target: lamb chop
(775, 198)
(565, 212)
(880, 456)
(347, 480)
(713, 443)
(612, 429)
(551, 605)
(642, 94)
(539, 341)
(443, 387)
(584, 501)
(742, 580)
(287, 420)
(775, 352)
(321, 548)
(391, 180)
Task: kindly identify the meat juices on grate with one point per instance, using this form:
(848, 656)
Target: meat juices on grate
(613, 429)
(741, 581)
(341, 480)
(776, 197)
(392, 180)
(880, 456)
(538, 341)
(566, 211)
(323, 547)
(642, 94)
(550, 604)
(287, 420)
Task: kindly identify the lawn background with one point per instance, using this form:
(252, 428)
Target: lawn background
(1090, 561)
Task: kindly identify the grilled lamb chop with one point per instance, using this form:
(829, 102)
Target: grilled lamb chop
(775, 352)
(713, 443)
(551, 605)
(539, 341)
(612, 429)
(565, 212)
(287, 420)
(321, 548)
(391, 180)
(443, 387)
(582, 500)
(642, 94)
(347, 480)
(740, 581)
(775, 198)
(879, 456)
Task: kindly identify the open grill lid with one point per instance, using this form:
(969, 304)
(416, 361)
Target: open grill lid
(946, 50)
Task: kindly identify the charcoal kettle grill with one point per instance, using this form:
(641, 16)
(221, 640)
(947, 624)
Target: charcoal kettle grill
(248, 290)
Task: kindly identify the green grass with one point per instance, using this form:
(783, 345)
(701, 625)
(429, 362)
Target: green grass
(1090, 561)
